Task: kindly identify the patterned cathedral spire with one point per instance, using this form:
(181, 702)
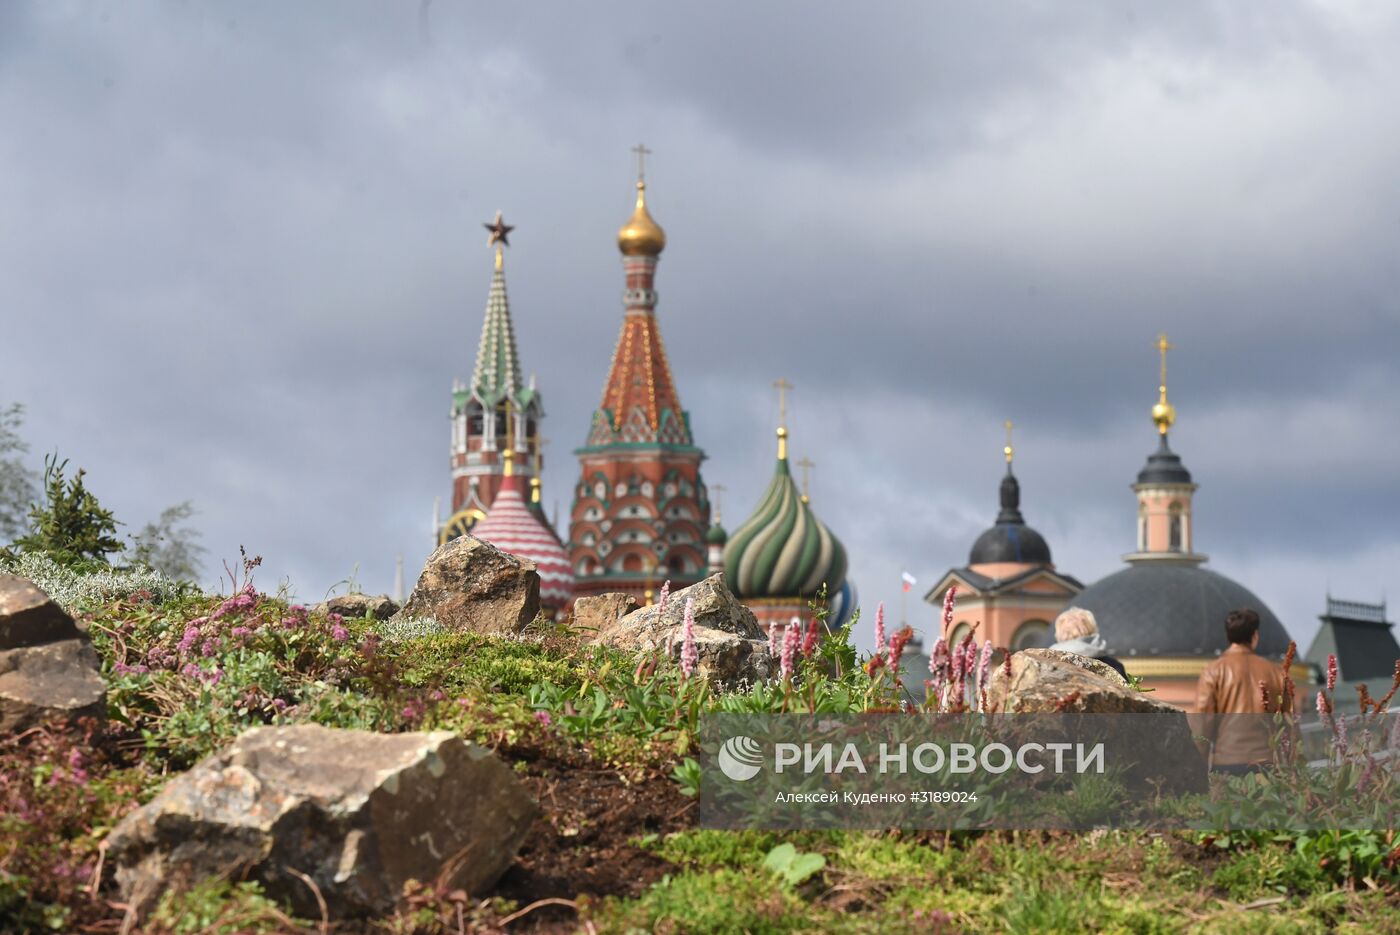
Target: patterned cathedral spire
(480, 410)
(640, 509)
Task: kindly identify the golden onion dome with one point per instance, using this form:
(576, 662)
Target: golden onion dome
(641, 236)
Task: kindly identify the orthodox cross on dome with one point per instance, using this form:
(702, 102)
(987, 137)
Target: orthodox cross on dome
(642, 154)
(806, 464)
(1163, 346)
(1164, 413)
(1008, 450)
(499, 236)
(719, 490)
(782, 386)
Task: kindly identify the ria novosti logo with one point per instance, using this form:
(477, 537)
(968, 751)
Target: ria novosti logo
(741, 758)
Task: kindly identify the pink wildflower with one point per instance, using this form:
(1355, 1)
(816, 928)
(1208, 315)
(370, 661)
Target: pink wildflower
(897, 643)
(1324, 707)
(1339, 733)
(186, 644)
(1331, 671)
(809, 642)
(948, 607)
(210, 647)
(689, 655)
(121, 668)
(775, 633)
(664, 596)
(339, 633)
(938, 659)
(984, 665)
(544, 718)
(75, 766)
(791, 634)
(880, 642)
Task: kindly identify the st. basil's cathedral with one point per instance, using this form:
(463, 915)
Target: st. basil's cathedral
(641, 513)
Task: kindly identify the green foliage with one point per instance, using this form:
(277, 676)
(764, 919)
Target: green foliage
(167, 546)
(687, 776)
(16, 480)
(792, 866)
(219, 907)
(79, 590)
(69, 524)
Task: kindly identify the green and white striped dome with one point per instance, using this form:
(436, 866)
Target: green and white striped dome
(783, 550)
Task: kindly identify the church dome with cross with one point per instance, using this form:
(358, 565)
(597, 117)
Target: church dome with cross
(782, 556)
(1163, 615)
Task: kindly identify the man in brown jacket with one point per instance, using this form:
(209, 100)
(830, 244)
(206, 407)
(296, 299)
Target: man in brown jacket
(1231, 715)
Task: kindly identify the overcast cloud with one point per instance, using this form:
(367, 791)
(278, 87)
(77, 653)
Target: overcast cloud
(241, 262)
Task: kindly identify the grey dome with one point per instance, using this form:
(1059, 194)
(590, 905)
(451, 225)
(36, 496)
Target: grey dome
(1162, 608)
(1164, 467)
(1010, 540)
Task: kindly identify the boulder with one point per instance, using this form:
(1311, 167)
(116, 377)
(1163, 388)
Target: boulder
(469, 584)
(1084, 662)
(1042, 679)
(732, 648)
(28, 617)
(596, 614)
(1052, 682)
(48, 668)
(359, 813)
(355, 606)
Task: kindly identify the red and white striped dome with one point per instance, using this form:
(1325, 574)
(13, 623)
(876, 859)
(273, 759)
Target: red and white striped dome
(511, 527)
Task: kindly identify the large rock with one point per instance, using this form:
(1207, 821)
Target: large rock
(359, 813)
(355, 606)
(29, 618)
(1047, 681)
(469, 584)
(48, 668)
(595, 614)
(731, 647)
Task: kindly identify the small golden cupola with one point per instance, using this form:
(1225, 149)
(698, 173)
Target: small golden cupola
(641, 236)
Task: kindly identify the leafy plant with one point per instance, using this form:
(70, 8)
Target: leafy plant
(69, 524)
(792, 866)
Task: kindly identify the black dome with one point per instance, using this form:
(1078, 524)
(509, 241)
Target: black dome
(1161, 608)
(1010, 540)
(1164, 467)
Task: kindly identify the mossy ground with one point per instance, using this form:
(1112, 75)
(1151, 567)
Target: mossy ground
(617, 847)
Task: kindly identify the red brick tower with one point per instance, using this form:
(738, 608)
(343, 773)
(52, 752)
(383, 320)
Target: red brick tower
(641, 508)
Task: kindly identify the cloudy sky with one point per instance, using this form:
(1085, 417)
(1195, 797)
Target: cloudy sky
(241, 262)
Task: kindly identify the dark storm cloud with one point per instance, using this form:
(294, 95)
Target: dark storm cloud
(241, 261)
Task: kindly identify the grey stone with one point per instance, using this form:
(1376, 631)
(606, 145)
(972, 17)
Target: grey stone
(359, 813)
(731, 647)
(355, 606)
(41, 684)
(1046, 681)
(468, 584)
(595, 614)
(28, 617)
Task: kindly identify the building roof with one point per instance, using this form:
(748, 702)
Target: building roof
(1360, 637)
(1171, 609)
(1164, 467)
(1010, 540)
(513, 527)
(497, 374)
(783, 550)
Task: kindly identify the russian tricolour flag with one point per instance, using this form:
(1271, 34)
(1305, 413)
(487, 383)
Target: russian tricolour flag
(908, 579)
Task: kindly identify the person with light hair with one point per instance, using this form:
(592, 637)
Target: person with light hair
(1076, 631)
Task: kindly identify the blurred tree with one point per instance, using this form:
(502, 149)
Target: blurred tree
(169, 547)
(16, 480)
